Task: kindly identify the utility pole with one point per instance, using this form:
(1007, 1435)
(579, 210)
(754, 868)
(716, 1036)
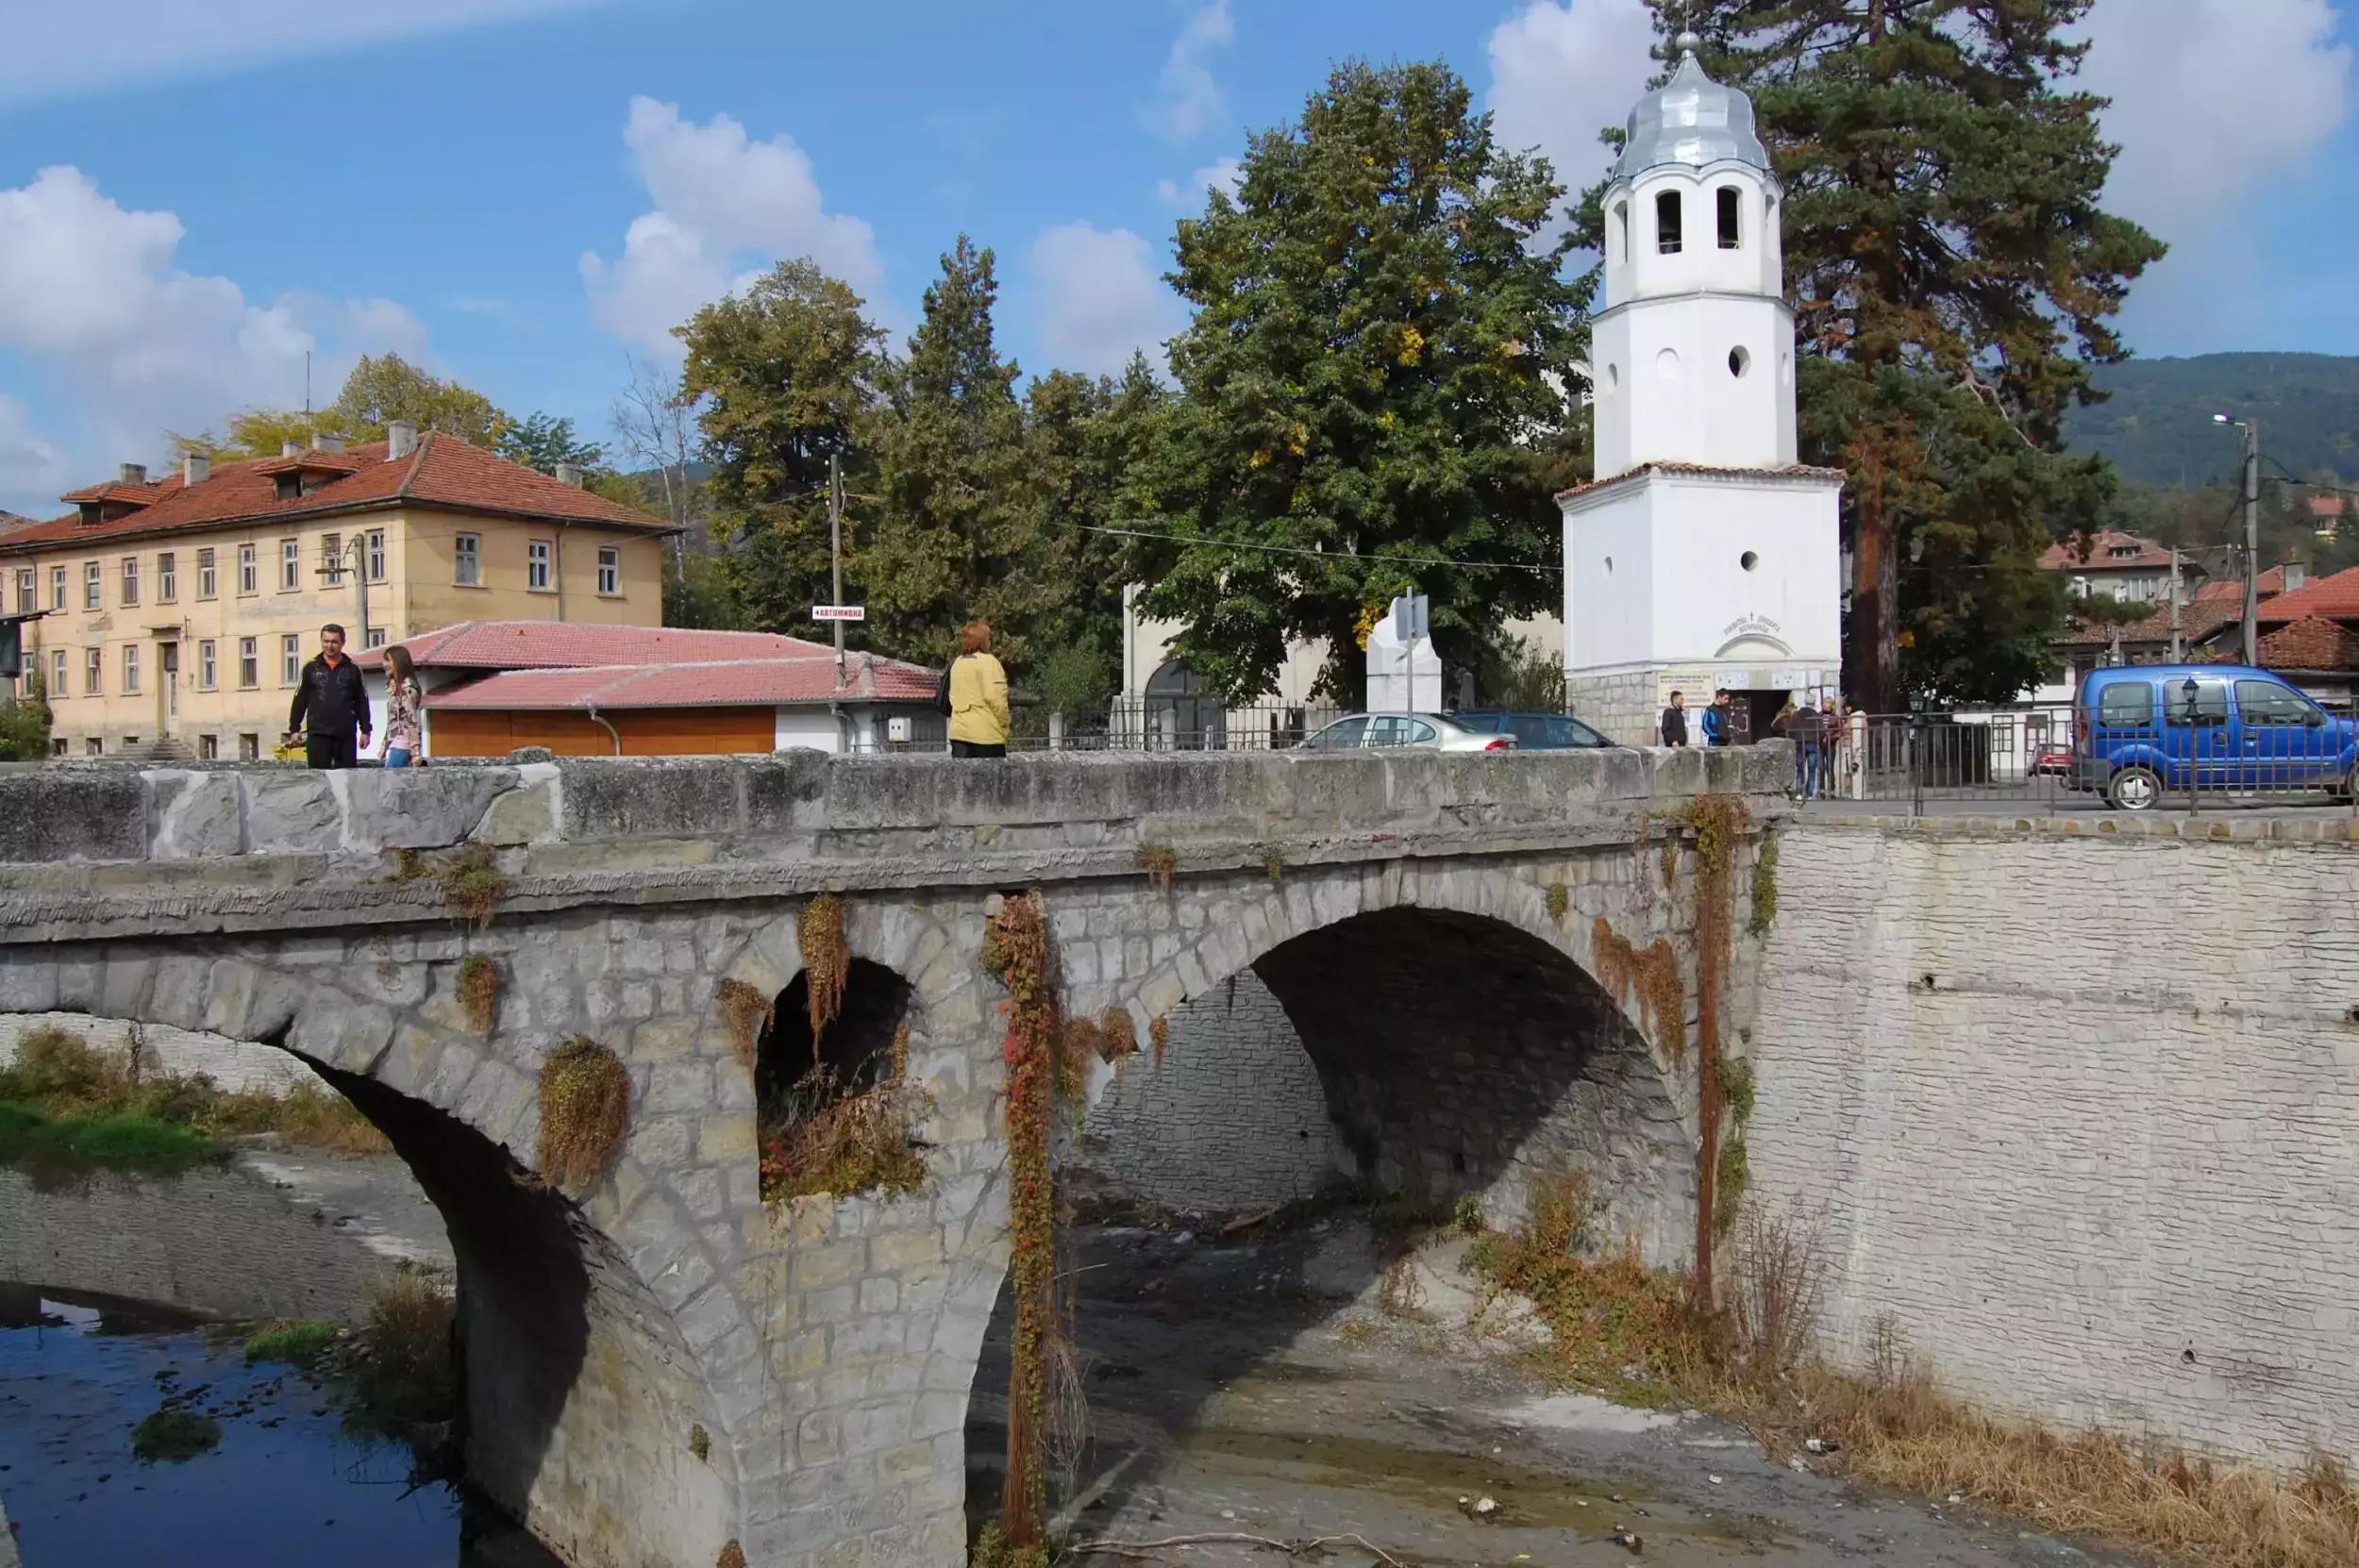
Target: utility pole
(2177, 647)
(2251, 541)
(835, 549)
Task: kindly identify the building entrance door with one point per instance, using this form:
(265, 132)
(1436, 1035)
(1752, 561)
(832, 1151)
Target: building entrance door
(168, 689)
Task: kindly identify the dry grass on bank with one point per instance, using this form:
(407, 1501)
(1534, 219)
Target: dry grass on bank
(66, 1078)
(1634, 1333)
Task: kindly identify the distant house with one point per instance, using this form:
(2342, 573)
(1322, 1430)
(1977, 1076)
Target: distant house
(2119, 565)
(590, 690)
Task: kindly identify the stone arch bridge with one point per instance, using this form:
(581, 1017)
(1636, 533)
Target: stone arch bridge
(1426, 922)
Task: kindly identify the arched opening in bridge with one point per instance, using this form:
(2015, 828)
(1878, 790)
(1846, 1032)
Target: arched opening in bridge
(1354, 1083)
(551, 1320)
(793, 1075)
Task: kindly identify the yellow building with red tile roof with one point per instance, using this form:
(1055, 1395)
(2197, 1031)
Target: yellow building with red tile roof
(178, 611)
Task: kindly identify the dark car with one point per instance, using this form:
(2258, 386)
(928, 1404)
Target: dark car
(1535, 731)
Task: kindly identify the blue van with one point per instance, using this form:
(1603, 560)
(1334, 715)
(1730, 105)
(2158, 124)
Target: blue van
(2142, 733)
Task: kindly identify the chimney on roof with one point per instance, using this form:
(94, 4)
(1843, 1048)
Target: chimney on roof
(289, 447)
(569, 474)
(2296, 575)
(195, 468)
(133, 474)
(401, 438)
(324, 442)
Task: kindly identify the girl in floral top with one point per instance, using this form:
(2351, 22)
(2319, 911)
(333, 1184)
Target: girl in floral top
(401, 708)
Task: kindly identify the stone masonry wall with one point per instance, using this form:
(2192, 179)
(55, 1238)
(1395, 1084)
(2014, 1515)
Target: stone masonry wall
(2082, 1114)
(1235, 1120)
(236, 1066)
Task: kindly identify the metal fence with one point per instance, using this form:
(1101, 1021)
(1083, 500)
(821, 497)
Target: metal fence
(2048, 760)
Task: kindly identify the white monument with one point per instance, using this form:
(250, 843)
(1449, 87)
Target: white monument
(1404, 671)
(1702, 555)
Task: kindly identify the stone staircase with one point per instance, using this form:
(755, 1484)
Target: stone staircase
(164, 748)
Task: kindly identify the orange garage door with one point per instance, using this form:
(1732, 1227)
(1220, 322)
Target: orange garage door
(646, 732)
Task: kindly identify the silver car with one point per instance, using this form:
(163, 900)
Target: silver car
(1423, 731)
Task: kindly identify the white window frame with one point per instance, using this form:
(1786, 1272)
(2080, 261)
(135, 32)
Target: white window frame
(466, 559)
(56, 586)
(249, 663)
(27, 589)
(94, 672)
(538, 553)
(250, 570)
(59, 672)
(289, 658)
(376, 555)
(374, 638)
(167, 578)
(332, 557)
(290, 565)
(207, 575)
(130, 582)
(130, 669)
(609, 570)
(93, 585)
(207, 664)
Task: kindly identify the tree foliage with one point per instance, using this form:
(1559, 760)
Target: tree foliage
(24, 722)
(1955, 281)
(381, 388)
(544, 441)
(783, 375)
(1365, 385)
(957, 535)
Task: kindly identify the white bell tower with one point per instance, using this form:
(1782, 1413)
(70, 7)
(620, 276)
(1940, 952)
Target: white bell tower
(1702, 556)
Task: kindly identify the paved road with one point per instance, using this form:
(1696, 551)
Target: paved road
(2044, 805)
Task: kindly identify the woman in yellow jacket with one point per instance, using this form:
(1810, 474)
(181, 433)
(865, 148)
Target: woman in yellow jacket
(978, 698)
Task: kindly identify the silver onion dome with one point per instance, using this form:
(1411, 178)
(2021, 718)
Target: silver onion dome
(1690, 118)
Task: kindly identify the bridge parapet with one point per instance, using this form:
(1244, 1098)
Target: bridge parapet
(104, 850)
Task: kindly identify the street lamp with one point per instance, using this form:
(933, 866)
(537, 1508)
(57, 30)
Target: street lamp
(2251, 430)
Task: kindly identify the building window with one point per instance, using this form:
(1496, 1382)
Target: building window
(290, 660)
(90, 585)
(56, 746)
(130, 580)
(375, 637)
(376, 555)
(249, 571)
(1666, 222)
(289, 564)
(332, 558)
(1731, 232)
(94, 747)
(609, 570)
(249, 663)
(206, 580)
(249, 748)
(27, 588)
(93, 670)
(537, 565)
(1621, 233)
(56, 588)
(167, 578)
(130, 669)
(56, 673)
(208, 747)
(466, 560)
(208, 666)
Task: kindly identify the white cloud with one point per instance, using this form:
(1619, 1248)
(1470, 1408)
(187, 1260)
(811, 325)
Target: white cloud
(31, 465)
(59, 51)
(2213, 100)
(1191, 99)
(129, 346)
(1560, 71)
(1098, 296)
(1223, 176)
(722, 202)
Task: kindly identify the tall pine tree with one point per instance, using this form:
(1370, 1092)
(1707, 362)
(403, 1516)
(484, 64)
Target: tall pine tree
(957, 535)
(785, 372)
(1367, 386)
(1954, 278)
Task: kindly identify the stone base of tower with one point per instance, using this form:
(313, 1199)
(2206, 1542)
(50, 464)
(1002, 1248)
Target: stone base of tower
(1625, 704)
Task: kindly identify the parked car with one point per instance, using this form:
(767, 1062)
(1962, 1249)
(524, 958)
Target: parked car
(2049, 757)
(1425, 732)
(2144, 732)
(1534, 731)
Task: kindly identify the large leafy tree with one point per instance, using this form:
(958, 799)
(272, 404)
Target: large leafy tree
(781, 376)
(542, 441)
(381, 389)
(1954, 278)
(957, 534)
(1366, 384)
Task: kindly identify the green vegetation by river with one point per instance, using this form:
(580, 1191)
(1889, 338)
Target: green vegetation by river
(66, 1101)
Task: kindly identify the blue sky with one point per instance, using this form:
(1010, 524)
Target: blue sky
(521, 191)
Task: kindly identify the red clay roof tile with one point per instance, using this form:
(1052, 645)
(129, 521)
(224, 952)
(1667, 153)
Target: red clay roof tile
(719, 683)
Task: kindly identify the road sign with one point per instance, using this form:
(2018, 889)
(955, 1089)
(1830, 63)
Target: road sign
(839, 612)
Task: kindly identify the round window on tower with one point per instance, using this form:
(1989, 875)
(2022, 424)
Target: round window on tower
(1748, 560)
(1613, 377)
(1740, 360)
(1666, 364)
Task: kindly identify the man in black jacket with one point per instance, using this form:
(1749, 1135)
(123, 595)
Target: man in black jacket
(331, 707)
(1672, 729)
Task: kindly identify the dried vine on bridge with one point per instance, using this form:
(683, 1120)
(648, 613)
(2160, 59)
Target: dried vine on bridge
(480, 992)
(827, 961)
(585, 1111)
(747, 1011)
(1653, 972)
(1719, 824)
(1015, 949)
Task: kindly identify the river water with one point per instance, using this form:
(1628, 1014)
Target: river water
(288, 1482)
